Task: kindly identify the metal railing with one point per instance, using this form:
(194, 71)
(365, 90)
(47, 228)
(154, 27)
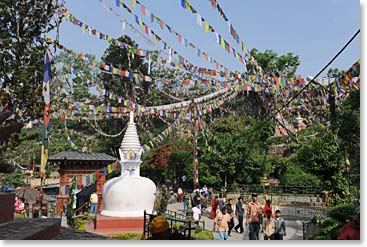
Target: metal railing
(178, 216)
(173, 218)
(278, 189)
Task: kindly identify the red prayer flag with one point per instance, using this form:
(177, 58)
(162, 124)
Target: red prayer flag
(142, 9)
(146, 29)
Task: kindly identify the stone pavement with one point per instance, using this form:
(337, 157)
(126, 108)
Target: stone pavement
(69, 234)
(30, 229)
(294, 227)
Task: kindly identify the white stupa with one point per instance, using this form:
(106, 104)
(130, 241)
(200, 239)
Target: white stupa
(129, 194)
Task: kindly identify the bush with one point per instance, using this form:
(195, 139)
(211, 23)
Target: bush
(203, 235)
(80, 224)
(128, 236)
(342, 212)
(20, 216)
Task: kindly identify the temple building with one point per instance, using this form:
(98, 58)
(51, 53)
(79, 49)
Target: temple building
(78, 164)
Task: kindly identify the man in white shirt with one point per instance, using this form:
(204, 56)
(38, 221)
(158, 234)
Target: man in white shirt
(197, 214)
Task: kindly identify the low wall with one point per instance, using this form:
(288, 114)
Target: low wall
(6, 207)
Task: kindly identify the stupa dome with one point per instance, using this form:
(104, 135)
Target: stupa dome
(129, 194)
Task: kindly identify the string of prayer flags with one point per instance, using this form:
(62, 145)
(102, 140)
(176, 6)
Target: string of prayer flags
(209, 28)
(185, 63)
(104, 67)
(199, 52)
(46, 111)
(234, 33)
(92, 31)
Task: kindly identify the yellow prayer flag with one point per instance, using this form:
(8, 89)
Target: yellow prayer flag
(109, 170)
(44, 158)
(206, 27)
(223, 44)
(133, 3)
(141, 23)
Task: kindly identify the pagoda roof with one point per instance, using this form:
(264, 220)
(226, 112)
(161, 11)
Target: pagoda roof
(79, 156)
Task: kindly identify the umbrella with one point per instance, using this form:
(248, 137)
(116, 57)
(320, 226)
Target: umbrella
(30, 195)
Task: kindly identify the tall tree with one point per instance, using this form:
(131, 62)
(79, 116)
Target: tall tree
(125, 59)
(276, 65)
(24, 25)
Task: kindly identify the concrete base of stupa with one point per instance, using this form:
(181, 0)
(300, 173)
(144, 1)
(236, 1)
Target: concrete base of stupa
(107, 225)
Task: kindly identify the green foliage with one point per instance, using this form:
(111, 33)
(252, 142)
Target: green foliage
(21, 58)
(330, 231)
(334, 73)
(274, 64)
(120, 58)
(127, 236)
(203, 235)
(173, 158)
(71, 221)
(338, 215)
(20, 216)
(238, 152)
(342, 212)
(80, 224)
(297, 176)
(15, 179)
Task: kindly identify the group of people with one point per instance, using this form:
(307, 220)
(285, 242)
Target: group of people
(257, 217)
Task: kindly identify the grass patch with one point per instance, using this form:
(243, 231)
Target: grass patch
(127, 236)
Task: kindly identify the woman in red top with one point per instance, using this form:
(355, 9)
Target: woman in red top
(213, 213)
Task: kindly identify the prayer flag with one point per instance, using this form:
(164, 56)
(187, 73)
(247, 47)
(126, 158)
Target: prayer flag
(133, 3)
(206, 27)
(183, 4)
(142, 9)
(199, 20)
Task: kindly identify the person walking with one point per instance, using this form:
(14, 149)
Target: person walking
(279, 226)
(185, 201)
(268, 226)
(197, 199)
(254, 218)
(239, 213)
(196, 214)
(221, 223)
(213, 213)
(230, 211)
(204, 203)
(180, 195)
(93, 203)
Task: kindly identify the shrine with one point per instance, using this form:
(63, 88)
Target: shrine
(79, 164)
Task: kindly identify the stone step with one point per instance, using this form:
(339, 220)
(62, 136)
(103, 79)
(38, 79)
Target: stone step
(30, 229)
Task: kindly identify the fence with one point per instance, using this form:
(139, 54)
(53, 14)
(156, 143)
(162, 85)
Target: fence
(172, 217)
(301, 212)
(278, 189)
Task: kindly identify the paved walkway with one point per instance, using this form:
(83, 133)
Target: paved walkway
(294, 227)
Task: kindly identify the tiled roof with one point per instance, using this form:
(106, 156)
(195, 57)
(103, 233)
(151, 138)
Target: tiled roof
(81, 156)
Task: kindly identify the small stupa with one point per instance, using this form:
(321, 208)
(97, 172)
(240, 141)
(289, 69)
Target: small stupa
(129, 194)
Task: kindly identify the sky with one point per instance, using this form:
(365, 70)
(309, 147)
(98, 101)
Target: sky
(314, 30)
